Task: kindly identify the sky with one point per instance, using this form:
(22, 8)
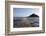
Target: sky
(24, 12)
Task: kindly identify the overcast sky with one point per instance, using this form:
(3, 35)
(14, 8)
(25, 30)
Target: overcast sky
(24, 12)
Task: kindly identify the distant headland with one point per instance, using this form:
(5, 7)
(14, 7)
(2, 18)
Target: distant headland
(33, 15)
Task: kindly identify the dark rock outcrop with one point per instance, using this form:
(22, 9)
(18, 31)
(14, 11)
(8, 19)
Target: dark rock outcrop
(33, 15)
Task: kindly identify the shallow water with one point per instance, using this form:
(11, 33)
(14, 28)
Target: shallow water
(26, 22)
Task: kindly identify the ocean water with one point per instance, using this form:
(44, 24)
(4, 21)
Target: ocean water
(26, 22)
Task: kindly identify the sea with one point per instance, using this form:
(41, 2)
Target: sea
(26, 22)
